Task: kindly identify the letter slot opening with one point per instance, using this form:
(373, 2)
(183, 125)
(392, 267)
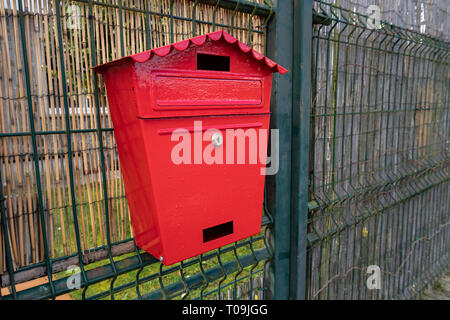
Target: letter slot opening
(218, 231)
(213, 62)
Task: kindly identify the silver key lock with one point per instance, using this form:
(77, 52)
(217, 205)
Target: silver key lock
(217, 139)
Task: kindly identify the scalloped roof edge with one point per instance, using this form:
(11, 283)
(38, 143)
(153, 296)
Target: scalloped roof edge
(198, 41)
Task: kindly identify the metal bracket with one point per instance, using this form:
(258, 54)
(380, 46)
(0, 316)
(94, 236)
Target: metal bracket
(321, 18)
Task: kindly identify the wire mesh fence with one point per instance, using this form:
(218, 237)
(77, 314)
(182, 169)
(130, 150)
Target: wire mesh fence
(380, 158)
(379, 175)
(64, 203)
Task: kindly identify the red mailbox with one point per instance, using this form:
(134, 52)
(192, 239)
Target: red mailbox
(184, 99)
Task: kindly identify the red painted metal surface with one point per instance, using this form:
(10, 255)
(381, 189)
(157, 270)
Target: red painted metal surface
(179, 210)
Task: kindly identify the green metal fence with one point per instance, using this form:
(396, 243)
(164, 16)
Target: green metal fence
(63, 202)
(379, 181)
(363, 115)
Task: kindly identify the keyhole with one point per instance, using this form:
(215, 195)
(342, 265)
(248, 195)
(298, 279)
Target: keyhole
(217, 139)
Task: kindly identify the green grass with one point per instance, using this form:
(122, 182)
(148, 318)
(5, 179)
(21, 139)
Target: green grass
(154, 284)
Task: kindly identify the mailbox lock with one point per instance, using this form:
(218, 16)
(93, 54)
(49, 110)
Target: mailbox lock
(217, 139)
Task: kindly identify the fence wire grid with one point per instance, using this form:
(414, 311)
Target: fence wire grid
(63, 206)
(379, 181)
(379, 159)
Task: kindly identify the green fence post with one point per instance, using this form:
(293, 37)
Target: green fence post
(301, 106)
(279, 47)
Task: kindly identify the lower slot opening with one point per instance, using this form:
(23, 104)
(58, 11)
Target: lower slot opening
(218, 231)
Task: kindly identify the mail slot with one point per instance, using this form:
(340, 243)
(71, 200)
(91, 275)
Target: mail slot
(177, 111)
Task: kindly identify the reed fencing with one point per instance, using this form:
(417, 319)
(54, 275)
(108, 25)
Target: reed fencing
(364, 150)
(64, 200)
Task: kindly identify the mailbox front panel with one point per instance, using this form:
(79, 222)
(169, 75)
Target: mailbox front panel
(201, 206)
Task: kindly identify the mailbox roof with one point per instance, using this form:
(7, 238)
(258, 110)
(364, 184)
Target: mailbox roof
(199, 41)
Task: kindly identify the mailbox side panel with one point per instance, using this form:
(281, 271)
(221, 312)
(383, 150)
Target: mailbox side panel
(133, 160)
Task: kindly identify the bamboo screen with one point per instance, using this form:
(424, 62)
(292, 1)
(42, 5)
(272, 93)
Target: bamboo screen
(54, 114)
